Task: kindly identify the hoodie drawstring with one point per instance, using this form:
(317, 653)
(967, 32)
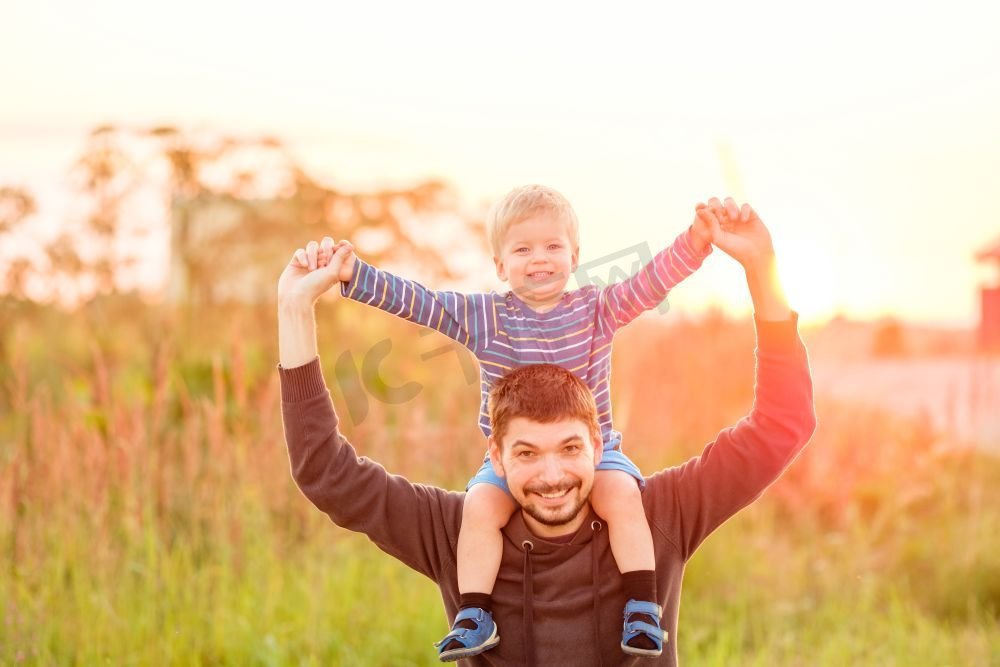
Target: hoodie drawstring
(528, 592)
(528, 614)
(596, 526)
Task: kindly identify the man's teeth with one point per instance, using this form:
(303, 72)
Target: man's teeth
(555, 494)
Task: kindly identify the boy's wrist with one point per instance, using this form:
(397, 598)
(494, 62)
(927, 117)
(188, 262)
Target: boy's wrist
(698, 243)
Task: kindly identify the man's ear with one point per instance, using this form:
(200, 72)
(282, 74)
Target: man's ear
(501, 269)
(495, 459)
(598, 450)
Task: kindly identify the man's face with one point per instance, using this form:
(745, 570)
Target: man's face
(549, 469)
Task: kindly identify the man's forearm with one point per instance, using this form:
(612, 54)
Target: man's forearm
(769, 302)
(296, 333)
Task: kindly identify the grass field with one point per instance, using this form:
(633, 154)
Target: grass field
(148, 517)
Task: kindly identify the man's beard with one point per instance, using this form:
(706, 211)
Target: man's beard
(565, 514)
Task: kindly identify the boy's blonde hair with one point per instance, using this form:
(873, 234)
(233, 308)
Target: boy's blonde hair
(523, 202)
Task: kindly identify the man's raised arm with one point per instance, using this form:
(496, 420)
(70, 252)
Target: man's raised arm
(416, 524)
(695, 498)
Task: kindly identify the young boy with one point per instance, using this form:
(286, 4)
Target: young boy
(535, 242)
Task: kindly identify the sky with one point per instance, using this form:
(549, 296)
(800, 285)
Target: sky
(866, 135)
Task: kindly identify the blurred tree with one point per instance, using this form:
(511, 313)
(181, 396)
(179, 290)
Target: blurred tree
(106, 176)
(889, 339)
(185, 160)
(16, 205)
(236, 208)
(239, 207)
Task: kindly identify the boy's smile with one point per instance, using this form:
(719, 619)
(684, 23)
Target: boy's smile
(537, 258)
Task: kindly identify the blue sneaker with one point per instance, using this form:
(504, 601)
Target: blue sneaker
(473, 641)
(633, 629)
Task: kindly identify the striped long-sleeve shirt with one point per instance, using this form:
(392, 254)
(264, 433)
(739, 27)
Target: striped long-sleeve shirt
(504, 333)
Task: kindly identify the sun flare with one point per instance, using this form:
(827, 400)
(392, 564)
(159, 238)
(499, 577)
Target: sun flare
(809, 275)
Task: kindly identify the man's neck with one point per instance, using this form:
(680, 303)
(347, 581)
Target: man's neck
(561, 539)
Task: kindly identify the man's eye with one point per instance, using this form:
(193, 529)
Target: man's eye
(525, 454)
(571, 449)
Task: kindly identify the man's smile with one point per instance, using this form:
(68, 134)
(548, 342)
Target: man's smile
(552, 495)
(553, 499)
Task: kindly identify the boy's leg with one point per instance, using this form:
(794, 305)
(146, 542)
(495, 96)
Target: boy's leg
(480, 546)
(487, 509)
(616, 499)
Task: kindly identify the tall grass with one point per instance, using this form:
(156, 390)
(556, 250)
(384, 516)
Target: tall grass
(147, 515)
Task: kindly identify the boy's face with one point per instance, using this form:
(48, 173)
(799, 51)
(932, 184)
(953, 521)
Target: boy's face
(549, 470)
(537, 258)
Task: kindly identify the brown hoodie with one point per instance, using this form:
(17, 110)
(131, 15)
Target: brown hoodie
(559, 604)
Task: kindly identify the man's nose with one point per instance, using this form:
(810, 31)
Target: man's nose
(552, 472)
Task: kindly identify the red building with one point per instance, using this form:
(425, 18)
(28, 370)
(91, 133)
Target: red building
(989, 314)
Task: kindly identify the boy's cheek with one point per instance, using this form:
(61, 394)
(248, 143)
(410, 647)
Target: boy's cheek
(501, 269)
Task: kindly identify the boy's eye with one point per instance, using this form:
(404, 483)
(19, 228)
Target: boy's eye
(554, 246)
(521, 250)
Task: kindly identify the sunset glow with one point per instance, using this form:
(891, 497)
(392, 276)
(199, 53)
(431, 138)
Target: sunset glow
(810, 277)
(206, 448)
(884, 155)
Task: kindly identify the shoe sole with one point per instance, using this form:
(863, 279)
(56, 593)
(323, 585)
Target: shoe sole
(644, 652)
(467, 652)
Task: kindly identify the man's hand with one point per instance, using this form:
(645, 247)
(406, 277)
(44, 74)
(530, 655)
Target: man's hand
(738, 232)
(741, 234)
(313, 270)
(300, 284)
(325, 254)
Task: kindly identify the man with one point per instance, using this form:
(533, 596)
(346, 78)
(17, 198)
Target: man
(558, 583)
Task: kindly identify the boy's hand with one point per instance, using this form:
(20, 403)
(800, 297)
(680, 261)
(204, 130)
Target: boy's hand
(304, 280)
(738, 232)
(701, 235)
(327, 248)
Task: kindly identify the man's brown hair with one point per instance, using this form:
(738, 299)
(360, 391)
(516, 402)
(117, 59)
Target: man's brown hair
(544, 393)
